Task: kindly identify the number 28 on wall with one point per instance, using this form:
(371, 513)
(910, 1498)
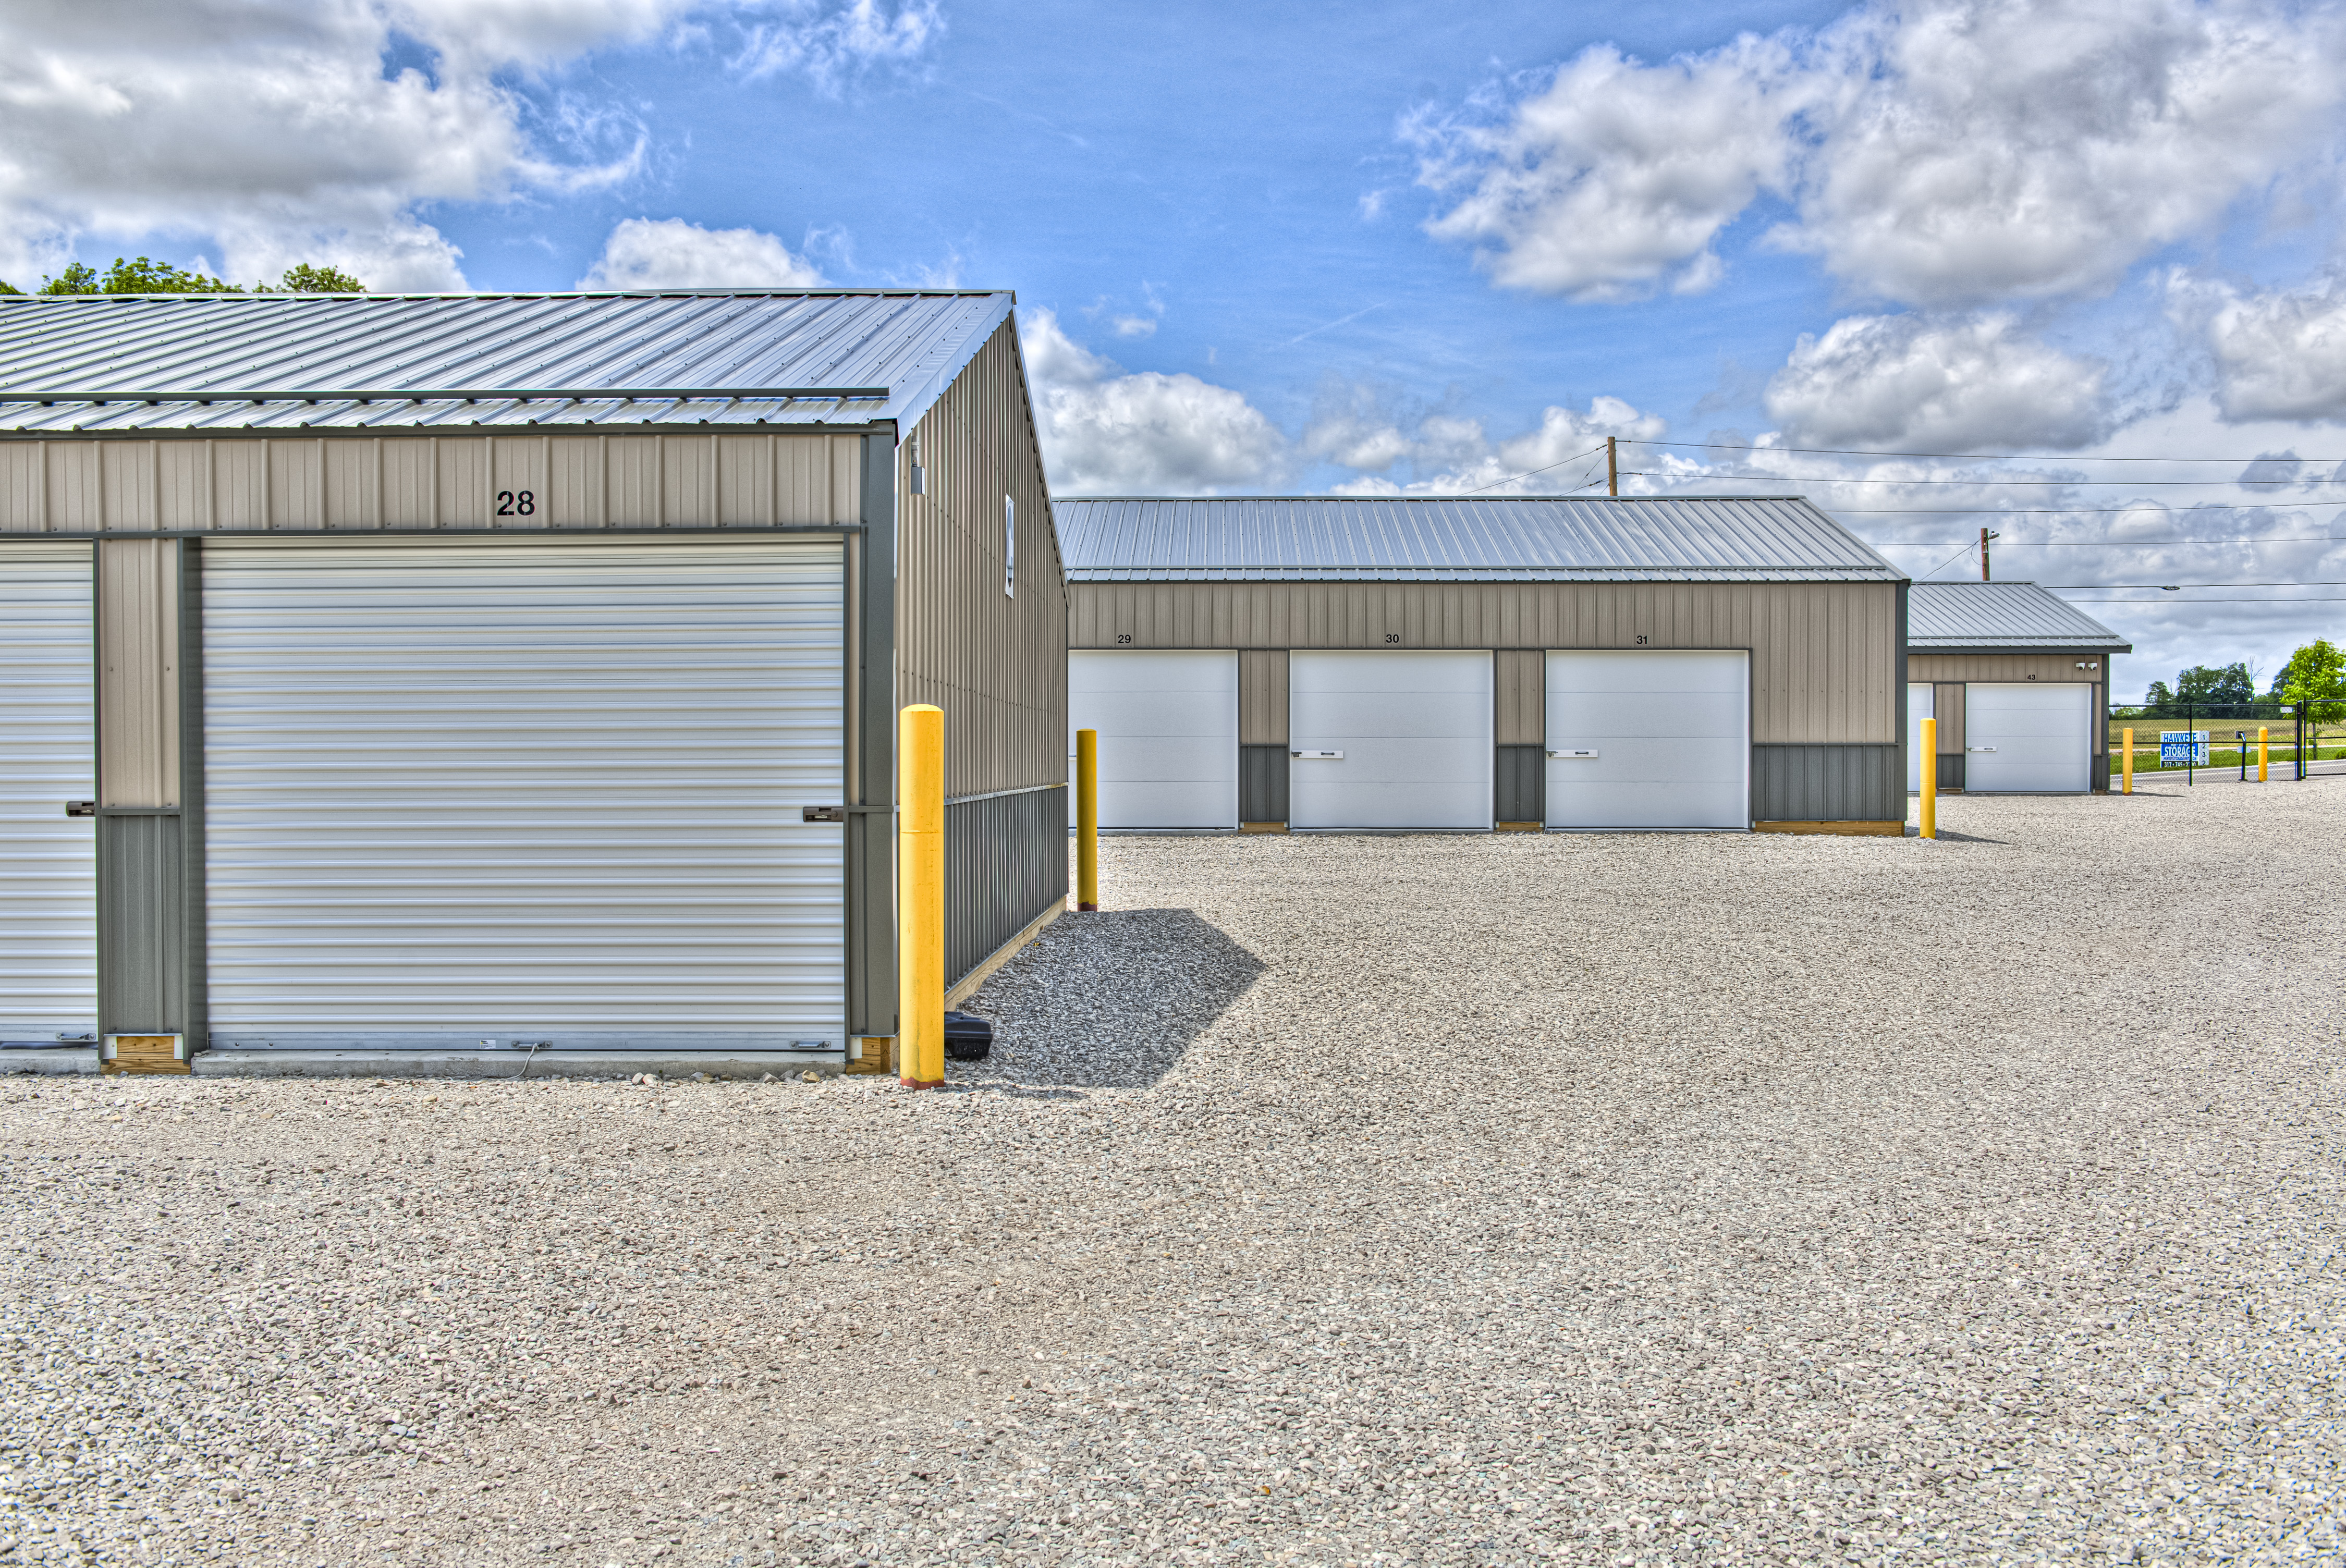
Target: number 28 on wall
(517, 503)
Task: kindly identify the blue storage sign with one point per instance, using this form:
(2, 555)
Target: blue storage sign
(2183, 748)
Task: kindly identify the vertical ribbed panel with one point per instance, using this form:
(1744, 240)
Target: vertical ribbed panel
(1263, 783)
(138, 671)
(48, 870)
(1826, 784)
(1006, 863)
(546, 790)
(143, 979)
(1521, 784)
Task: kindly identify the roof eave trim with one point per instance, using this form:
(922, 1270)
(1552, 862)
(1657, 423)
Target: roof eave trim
(917, 402)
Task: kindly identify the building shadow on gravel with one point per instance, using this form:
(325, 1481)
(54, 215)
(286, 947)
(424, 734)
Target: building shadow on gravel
(1109, 1000)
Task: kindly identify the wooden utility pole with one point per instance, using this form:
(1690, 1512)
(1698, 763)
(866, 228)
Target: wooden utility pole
(1612, 469)
(1984, 538)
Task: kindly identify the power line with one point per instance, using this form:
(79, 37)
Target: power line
(2060, 484)
(2169, 587)
(2268, 600)
(2048, 511)
(1496, 482)
(2123, 544)
(1965, 456)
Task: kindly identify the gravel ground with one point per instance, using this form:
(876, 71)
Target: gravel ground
(1602, 1199)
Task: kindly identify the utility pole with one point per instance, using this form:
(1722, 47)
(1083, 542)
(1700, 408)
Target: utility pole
(1984, 538)
(1611, 470)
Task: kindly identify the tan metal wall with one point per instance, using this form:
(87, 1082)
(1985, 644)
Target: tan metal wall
(363, 482)
(1947, 707)
(1520, 679)
(1262, 696)
(1824, 665)
(138, 672)
(1956, 668)
(995, 663)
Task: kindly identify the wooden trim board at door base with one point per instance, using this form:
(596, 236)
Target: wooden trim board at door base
(1263, 827)
(1521, 828)
(144, 1054)
(1843, 829)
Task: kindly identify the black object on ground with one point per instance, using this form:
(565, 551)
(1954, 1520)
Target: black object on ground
(968, 1037)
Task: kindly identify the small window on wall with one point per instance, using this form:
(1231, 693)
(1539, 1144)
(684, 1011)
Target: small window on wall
(1009, 547)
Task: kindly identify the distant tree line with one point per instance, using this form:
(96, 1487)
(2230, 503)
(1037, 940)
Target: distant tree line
(145, 276)
(2314, 678)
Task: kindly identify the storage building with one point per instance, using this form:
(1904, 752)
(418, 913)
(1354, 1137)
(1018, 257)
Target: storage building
(2018, 678)
(450, 673)
(1465, 664)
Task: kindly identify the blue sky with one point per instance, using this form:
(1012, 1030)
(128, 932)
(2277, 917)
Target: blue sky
(1376, 249)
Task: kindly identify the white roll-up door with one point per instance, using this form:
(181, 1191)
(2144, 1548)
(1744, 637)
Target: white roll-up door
(2027, 738)
(1392, 740)
(49, 861)
(1650, 740)
(1922, 699)
(1168, 735)
(460, 792)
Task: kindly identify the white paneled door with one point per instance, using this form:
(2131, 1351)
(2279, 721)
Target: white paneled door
(555, 791)
(1392, 740)
(2027, 738)
(49, 861)
(1921, 698)
(1638, 739)
(1168, 735)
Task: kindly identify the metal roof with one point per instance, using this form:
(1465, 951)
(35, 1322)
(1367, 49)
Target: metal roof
(2001, 615)
(202, 362)
(1460, 539)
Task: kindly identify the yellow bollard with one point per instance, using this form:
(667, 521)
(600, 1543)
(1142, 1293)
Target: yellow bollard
(2264, 740)
(2126, 738)
(1929, 769)
(921, 897)
(1087, 818)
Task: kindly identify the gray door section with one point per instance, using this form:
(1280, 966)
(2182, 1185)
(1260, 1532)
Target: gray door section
(1167, 724)
(1650, 740)
(2027, 738)
(461, 793)
(48, 755)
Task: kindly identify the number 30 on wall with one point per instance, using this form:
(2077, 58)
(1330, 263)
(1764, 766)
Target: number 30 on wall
(517, 503)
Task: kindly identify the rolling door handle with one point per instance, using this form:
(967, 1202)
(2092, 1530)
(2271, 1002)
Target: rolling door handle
(1319, 756)
(1570, 751)
(81, 808)
(1979, 747)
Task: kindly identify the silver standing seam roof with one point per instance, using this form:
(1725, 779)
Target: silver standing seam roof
(1460, 539)
(210, 363)
(2001, 615)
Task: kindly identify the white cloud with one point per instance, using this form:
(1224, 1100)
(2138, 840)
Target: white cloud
(1448, 455)
(266, 132)
(833, 43)
(1134, 326)
(1939, 385)
(669, 253)
(1104, 432)
(1945, 152)
(1619, 175)
(2280, 355)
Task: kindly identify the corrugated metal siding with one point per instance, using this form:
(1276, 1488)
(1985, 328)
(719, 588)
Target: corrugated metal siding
(1521, 784)
(138, 672)
(1262, 699)
(1006, 864)
(1826, 784)
(1824, 656)
(2011, 666)
(363, 481)
(903, 345)
(459, 790)
(2000, 615)
(49, 869)
(1522, 716)
(142, 871)
(1263, 783)
(1287, 538)
(995, 663)
(1947, 707)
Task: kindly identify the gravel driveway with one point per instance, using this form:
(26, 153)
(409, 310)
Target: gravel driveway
(1598, 1199)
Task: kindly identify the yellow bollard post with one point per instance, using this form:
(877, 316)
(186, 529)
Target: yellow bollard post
(2264, 740)
(921, 897)
(1087, 818)
(2125, 739)
(1929, 770)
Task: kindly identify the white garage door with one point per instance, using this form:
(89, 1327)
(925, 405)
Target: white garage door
(1389, 740)
(49, 861)
(1648, 739)
(2027, 737)
(1168, 735)
(551, 792)
(1921, 699)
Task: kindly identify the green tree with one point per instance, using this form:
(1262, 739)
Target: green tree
(7, 288)
(2315, 679)
(139, 277)
(2157, 702)
(307, 278)
(2207, 685)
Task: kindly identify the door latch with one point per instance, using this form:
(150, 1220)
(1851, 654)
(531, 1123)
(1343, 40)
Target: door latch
(823, 814)
(81, 808)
